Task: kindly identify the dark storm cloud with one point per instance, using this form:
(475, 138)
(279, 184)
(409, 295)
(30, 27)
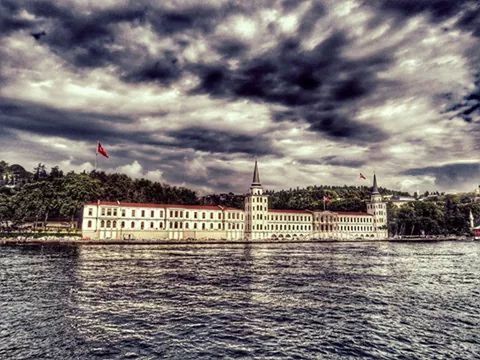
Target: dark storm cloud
(470, 106)
(76, 125)
(449, 175)
(230, 48)
(334, 161)
(85, 39)
(216, 141)
(164, 71)
(466, 15)
(10, 19)
(437, 9)
(316, 86)
(44, 120)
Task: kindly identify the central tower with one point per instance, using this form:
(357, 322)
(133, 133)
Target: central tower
(256, 209)
(378, 208)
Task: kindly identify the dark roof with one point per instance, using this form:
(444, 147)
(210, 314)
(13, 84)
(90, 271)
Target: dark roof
(290, 211)
(375, 187)
(172, 206)
(256, 175)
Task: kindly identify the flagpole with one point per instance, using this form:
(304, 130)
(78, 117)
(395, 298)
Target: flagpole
(96, 155)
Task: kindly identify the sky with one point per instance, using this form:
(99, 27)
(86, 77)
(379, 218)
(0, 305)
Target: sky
(191, 92)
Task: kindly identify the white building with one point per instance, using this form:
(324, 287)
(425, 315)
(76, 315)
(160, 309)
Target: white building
(118, 220)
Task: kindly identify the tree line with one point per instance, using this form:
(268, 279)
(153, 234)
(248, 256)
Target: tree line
(41, 195)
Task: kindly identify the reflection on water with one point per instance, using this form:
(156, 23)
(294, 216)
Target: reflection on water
(242, 301)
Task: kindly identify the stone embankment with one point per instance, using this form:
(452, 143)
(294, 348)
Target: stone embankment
(74, 240)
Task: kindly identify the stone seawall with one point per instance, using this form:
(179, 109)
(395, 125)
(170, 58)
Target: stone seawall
(72, 241)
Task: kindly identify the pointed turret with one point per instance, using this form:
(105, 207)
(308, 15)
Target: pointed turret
(375, 187)
(256, 176)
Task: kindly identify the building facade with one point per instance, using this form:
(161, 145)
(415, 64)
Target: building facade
(118, 220)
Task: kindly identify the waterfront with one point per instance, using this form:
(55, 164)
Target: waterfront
(311, 300)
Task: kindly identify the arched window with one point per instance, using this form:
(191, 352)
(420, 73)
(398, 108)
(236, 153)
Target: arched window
(114, 224)
(89, 223)
(142, 225)
(109, 224)
(122, 224)
(132, 224)
(151, 225)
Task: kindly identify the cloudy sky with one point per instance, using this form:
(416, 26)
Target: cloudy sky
(189, 92)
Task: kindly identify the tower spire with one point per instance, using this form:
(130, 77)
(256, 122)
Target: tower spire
(375, 187)
(256, 176)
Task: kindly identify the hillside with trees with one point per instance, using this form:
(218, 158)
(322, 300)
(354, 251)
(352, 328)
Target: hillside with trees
(44, 194)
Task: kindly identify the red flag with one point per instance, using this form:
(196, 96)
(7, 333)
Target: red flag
(101, 150)
(362, 177)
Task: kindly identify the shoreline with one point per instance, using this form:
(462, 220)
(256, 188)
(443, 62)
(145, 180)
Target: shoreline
(70, 242)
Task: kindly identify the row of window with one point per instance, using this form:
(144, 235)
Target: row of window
(281, 227)
(173, 213)
(356, 228)
(109, 224)
(326, 218)
(259, 208)
(288, 218)
(344, 228)
(356, 219)
(112, 224)
(326, 227)
(262, 199)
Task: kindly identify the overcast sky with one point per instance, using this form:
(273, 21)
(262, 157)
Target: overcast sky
(189, 92)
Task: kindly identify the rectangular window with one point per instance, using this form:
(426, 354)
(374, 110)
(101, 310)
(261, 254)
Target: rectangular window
(143, 213)
(186, 214)
(133, 213)
(181, 213)
(103, 211)
(89, 223)
(195, 215)
(211, 215)
(124, 213)
(152, 213)
(90, 212)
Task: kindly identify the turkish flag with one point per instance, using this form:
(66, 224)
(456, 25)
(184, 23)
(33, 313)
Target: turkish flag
(101, 150)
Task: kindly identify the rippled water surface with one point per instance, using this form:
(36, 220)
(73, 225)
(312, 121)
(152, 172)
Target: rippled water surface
(330, 300)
